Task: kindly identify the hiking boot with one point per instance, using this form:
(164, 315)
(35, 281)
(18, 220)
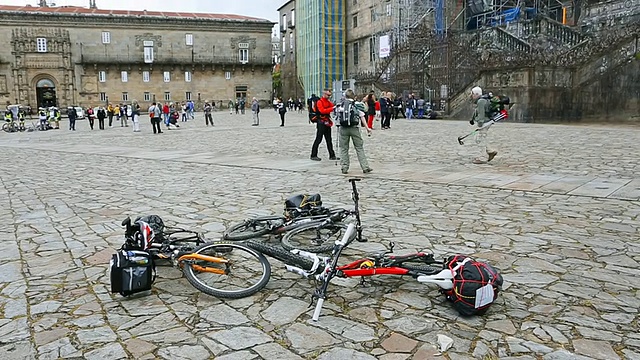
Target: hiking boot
(368, 170)
(334, 158)
(492, 154)
(479, 161)
(345, 171)
(315, 158)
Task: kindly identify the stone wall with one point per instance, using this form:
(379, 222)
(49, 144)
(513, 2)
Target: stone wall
(547, 94)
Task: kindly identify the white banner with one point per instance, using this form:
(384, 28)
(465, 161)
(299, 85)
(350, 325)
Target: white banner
(385, 48)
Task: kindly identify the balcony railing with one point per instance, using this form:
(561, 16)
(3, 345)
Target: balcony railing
(173, 59)
(290, 24)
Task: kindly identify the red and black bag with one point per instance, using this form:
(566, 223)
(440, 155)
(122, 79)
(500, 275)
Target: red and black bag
(475, 285)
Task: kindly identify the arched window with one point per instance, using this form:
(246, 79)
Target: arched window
(45, 83)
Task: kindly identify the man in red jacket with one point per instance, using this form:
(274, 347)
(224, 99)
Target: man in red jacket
(324, 107)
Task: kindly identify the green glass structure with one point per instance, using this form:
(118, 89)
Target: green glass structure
(320, 57)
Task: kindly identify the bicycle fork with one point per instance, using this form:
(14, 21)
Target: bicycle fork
(317, 261)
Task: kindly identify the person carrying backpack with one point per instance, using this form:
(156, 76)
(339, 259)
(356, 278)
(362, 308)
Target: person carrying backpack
(351, 116)
(323, 108)
(482, 115)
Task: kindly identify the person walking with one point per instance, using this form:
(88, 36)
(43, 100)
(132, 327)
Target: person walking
(110, 113)
(371, 109)
(255, 110)
(165, 112)
(135, 115)
(155, 113)
(350, 130)
(324, 107)
(282, 110)
(102, 114)
(231, 107)
(72, 118)
(124, 112)
(208, 118)
(480, 117)
(385, 111)
(91, 117)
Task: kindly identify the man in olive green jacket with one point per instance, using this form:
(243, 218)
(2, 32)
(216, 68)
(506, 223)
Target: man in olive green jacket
(353, 133)
(480, 117)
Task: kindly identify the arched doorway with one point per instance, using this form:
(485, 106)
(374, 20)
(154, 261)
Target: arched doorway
(46, 93)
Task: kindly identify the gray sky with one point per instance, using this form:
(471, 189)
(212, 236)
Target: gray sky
(265, 9)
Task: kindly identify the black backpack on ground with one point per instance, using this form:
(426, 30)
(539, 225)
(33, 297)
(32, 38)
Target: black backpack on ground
(475, 285)
(303, 205)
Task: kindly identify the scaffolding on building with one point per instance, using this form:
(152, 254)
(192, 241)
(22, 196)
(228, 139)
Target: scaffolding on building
(432, 41)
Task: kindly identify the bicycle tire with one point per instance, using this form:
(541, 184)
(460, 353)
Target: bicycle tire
(241, 231)
(289, 242)
(281, 254)
(422, 268)
(227, 248)
(5, 128)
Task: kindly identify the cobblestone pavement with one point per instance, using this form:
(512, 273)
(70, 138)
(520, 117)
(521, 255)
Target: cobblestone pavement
(557, 213)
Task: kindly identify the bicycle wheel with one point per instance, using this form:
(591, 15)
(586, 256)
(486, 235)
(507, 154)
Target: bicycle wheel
(313, 237)
(246, 272)
(251, 228)
(6, 127)
(421, 268)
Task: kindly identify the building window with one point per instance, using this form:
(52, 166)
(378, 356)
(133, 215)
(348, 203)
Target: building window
(41, 45)
(227, 75)
(148, 51)
(187, 76)
(103, 96)
(124, 76)
(102, 76)
(389, 8)
(187, 95)
(356, 49)
(346, 58)
(284, 21)
(167, 96)
(291, 41)
(244, 56)
(354, 21)
(147, 96)
(106, 37)
(145, 76)
(373, 15)
(293, 17)
(125, 96)
(284, 45)
(189, 39)
(167, 76)
(372, 49)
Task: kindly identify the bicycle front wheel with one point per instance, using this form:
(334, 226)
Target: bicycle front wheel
(250, 229)
(242, 271)
(313, 237)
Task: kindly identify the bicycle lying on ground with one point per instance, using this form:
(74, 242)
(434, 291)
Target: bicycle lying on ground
(201, 263)
(297, 215)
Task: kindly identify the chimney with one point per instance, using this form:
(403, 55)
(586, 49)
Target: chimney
(43, 3)
(92, 4)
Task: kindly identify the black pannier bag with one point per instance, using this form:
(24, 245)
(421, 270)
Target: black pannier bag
(303, 205)
(132, 271)
(475, 285)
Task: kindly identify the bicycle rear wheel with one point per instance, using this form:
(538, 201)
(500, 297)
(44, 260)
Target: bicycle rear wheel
(251, 228)
(246, 272)
(313, 237)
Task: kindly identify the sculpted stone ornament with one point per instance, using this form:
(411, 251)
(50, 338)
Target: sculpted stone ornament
(140, 39)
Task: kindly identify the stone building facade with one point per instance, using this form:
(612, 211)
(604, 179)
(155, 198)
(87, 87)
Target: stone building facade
(66, 56)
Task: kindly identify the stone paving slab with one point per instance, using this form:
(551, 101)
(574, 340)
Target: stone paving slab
(568, 249)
